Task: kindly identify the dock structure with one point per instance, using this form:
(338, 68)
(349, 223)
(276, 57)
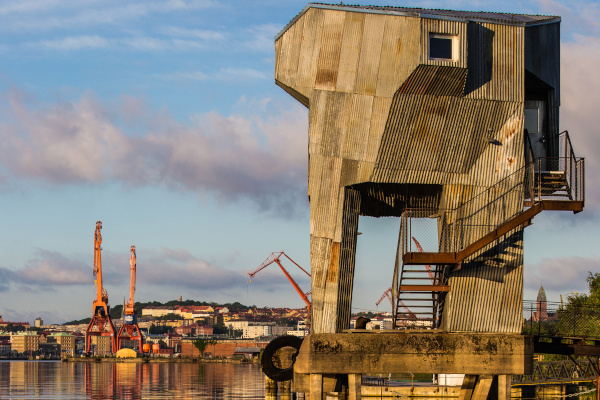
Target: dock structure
(429, 115)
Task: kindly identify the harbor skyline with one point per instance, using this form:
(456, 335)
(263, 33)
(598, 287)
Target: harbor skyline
(163, 121)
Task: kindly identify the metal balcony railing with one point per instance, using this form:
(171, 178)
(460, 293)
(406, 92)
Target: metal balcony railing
(554, 183)
(542, 318)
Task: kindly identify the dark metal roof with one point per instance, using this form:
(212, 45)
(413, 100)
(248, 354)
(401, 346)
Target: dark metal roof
(454, 15)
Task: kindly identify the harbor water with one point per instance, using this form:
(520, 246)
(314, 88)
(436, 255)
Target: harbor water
(84, 380)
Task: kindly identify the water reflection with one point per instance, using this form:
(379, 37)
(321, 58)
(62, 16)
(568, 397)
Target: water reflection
(75, 380)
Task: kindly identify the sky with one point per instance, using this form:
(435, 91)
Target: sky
(162, 120)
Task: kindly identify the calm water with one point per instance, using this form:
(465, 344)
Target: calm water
(58, 380)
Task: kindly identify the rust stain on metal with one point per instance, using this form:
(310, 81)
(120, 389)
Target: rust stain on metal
(332, 274)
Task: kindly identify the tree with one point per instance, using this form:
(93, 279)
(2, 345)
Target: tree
(202, 344)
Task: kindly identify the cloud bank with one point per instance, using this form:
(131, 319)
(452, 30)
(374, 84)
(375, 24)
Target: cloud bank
(255, 155)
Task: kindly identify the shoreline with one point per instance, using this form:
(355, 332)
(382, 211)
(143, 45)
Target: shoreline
(145, 360)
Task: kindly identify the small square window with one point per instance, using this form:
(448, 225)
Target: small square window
(443, 47)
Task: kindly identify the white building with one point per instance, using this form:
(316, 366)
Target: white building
(236, 324)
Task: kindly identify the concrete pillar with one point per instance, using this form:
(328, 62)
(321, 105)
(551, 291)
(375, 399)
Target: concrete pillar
(468, 385)
(316, 387)
(598, 381)
(270, 386)
(354, 386)
(482, 388)
(504, 386)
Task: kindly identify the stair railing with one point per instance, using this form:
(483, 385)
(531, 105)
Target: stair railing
(495, 205)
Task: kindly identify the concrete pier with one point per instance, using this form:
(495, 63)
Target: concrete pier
(327, 362)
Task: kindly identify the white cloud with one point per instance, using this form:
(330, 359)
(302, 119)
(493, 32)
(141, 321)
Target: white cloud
(75, 43)
(561, 275)
(234, 157)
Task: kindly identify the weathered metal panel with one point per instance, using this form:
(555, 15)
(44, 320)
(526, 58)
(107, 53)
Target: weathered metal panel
(329, 56)
(350, 52)
(379, 115)
(358, 126)
(347, 257)
(496, 62)
(400, 53)
(370, 54)
(287, 54)
(457, 28)
(310, 48)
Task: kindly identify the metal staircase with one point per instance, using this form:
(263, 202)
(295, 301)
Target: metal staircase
(420, 277)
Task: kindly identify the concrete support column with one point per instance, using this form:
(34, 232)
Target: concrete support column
(482, 388)
(598, 382)
(468, 385)
(316, 387)
(354, 386)
(504, 387)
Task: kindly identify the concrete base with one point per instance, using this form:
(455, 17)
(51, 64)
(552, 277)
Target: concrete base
(479, 356)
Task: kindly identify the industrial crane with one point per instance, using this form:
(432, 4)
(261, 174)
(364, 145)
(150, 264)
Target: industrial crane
(275, 258)
(129, 329)
(387, 294)
(427, 267)
(100, 325)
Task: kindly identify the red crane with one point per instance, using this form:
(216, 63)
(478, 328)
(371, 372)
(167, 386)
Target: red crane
(129, 329)
(275, 258)
(387, 294)
(100, 325)
(427, 267)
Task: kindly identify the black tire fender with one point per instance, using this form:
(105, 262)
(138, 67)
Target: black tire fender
(266, 362)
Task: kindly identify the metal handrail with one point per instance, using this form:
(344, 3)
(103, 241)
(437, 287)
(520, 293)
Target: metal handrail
(471, 214)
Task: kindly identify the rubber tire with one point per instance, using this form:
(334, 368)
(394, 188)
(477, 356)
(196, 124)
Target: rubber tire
(266, 362)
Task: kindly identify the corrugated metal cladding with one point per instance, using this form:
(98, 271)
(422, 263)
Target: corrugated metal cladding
(496, 62)
(432, 136)
(390, 129)
(487, 293)
(458, 29)
(501, 18)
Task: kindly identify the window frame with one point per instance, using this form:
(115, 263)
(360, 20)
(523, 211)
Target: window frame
(454, 46)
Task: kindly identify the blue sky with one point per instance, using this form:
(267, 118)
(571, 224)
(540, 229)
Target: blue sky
(162, 119)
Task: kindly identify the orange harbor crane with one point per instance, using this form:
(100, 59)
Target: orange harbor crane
(100, 325)
(129, 329)
(275, 258)
(387, 294)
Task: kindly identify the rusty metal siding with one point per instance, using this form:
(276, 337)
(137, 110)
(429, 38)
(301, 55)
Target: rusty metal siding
(400, 53)
(428, 138)
(350, 52)
(347, 258)
(287, 54)
(329, 56)
(370, 54)
(486, 294)
(496, 62)
(456, 28)
(310, 48)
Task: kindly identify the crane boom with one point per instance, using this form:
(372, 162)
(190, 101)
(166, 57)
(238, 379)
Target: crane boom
(130, 306)
(101, 302)
(401, 304)
(275, 258)
(427, 267)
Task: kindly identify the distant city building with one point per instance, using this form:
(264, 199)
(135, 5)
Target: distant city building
(542, 313)
(101, 345)
(5, 348)
(25, 342)
(66, 342)
(38, 322)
